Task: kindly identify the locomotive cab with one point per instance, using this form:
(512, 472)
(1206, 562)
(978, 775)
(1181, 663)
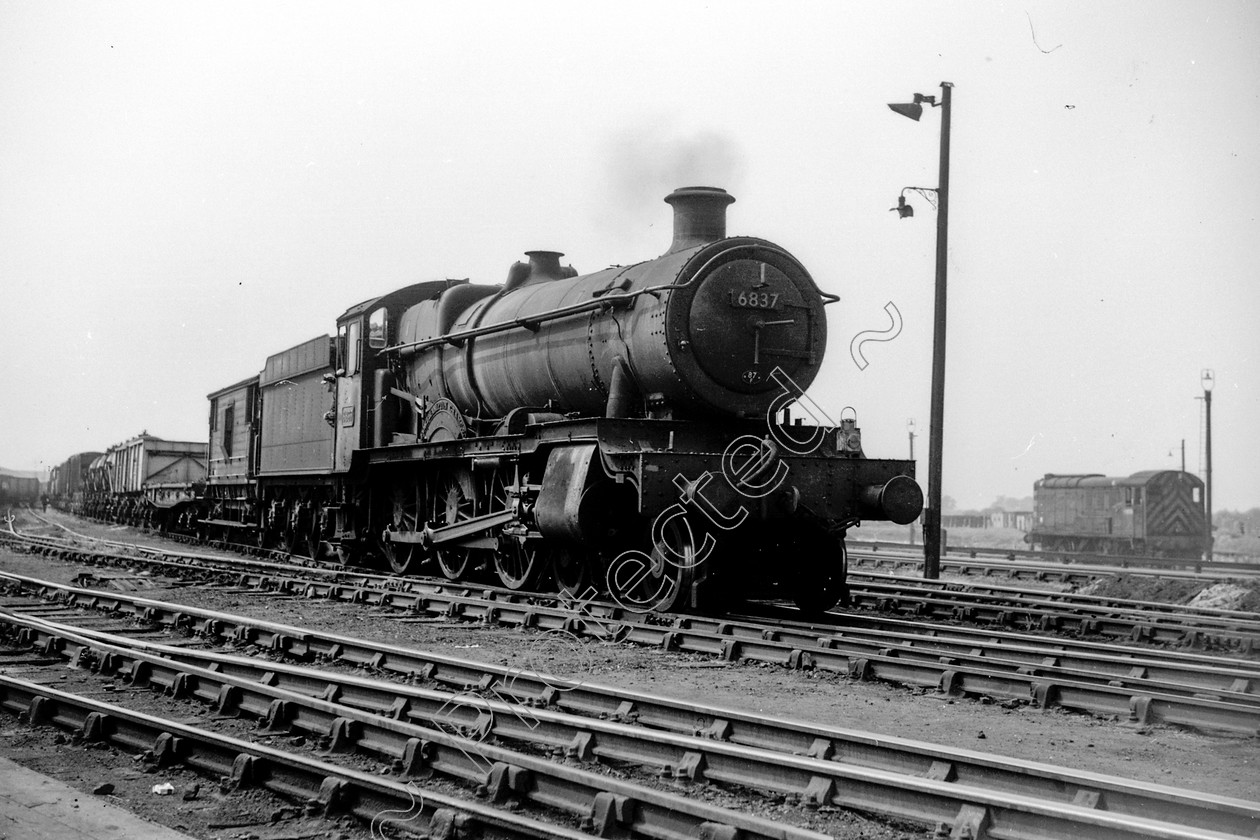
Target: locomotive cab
(368, 407)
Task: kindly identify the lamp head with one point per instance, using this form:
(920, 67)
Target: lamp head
(903, 210)
(913, 110)
(1209, 379)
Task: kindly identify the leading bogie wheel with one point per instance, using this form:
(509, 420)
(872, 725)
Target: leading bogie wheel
(660, 579)
(816, 580)
(571, 570)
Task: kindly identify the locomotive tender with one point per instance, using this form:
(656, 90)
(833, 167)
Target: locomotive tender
(1154, 513)
(628, 430)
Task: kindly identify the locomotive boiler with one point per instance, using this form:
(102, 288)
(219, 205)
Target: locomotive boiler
(626, 430)
(695, 332)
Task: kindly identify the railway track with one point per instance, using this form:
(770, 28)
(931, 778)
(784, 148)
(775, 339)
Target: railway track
(1043, 565)
(1201, 692)
(1144, 685)
(1080, 614)
(990, 603)
(993, 605)
(445, 724)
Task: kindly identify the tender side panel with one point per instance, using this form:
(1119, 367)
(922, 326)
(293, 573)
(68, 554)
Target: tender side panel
(296, 435)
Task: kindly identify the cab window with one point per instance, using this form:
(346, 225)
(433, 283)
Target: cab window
(377, 329)
(353, 347)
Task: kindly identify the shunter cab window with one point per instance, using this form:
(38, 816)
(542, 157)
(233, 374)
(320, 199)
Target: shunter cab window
(377, 329)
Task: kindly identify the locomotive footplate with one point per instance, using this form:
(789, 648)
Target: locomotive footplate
(770, 486)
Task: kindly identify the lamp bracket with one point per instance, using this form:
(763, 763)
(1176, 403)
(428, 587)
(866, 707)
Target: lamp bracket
(930, 193)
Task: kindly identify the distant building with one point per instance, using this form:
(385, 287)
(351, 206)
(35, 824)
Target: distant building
(964, 520)
(1019, 519)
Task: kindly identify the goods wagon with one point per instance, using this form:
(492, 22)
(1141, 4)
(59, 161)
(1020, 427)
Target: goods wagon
(147, 481)
(18, 487)
(68, 480)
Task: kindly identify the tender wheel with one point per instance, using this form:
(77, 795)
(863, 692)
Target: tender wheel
(291, 542)
(320, 549)
(404, 558)
(452, 505)
(517, 565)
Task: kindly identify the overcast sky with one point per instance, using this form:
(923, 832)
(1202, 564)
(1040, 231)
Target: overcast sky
(187, 188)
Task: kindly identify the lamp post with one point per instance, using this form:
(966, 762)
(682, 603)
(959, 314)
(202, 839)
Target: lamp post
(936, 437)
(910, 430)
(1209, 379)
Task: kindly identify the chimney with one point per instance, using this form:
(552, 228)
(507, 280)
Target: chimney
(699, 216)
(544, 265)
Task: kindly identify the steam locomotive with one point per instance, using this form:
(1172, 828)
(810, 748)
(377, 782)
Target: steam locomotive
(627, 431)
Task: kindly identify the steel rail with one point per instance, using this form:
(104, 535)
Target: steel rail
(416, 750)
(1210, 674)
(1140, 621)
(1191, 671)
(988, 593)
(274, 692)
(1144, 707)
(1164, 627)
(1044, 687)
(1047, 614)
(873, 563)
(1224, 617)
(155, 554)
(323, 787)
(861, 562)
(1119, 668)
(1115, 562)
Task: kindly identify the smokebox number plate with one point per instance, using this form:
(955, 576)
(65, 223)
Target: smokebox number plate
(754, 299)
